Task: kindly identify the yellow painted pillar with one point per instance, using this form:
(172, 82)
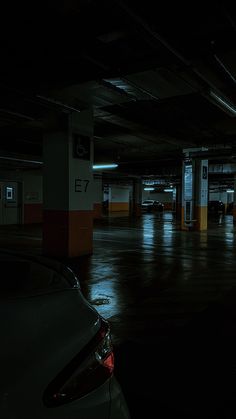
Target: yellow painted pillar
(201, 193)
(187, 211)
(194, 193)
(234, 207)
(178, 205)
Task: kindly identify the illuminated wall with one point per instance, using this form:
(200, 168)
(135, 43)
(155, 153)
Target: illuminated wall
(32, 192)
(165, 198)
(119, 198)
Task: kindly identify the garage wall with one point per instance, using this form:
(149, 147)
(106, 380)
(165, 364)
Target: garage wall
(33, 197)
(119, 198)
(165, 197)
(218, 196)
(32, 193)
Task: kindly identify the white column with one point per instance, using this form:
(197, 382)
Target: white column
(68, 187)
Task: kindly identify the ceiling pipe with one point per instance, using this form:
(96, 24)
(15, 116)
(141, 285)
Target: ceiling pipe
(20, 160)
(46, 102)
(224, 68)
(17, 114)
(228, 16)
(58, 103)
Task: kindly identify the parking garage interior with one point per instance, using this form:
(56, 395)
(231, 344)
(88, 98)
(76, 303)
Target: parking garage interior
(88, 84)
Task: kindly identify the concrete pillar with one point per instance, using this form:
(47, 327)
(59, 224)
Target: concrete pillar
(201, 194)
(97, 196)
(194, 195)
(178, 201)
(234, 207)
(137, 197)
(187, 195)
(68, 186)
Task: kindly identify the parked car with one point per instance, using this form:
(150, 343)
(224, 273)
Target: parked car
(152, 205)
(56, 354)
(216, 207)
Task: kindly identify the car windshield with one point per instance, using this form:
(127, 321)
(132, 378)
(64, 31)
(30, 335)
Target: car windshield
(148, 202)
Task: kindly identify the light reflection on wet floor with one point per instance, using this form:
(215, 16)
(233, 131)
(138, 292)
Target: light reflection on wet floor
(149, 266)
(167, 296)
(171, 301)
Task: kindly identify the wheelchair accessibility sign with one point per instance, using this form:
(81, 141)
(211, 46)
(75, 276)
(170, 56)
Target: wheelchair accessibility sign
(81, 147)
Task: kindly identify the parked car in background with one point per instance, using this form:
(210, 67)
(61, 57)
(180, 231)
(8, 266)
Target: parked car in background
(152, 205)
(56, 356)
(216, 207)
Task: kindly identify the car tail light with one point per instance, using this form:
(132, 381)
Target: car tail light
(87, 371)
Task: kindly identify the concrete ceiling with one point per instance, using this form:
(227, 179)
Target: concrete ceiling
(158, 80)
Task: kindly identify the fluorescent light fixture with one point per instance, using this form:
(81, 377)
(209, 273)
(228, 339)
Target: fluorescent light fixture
(149, 189)
(105, 166)
(224, 103)
(230, 191)
(168, 190)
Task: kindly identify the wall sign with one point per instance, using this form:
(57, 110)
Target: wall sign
(204, 184)
(81, 185)
(204, 172)
(81, 147)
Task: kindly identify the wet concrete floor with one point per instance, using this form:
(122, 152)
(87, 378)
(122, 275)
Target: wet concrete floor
(170, 297)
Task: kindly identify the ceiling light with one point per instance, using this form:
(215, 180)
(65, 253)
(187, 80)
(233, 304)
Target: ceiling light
(168, 190)
(149, 182)
(230, 191)
(227, 105)
(149, 189)
(105, 166)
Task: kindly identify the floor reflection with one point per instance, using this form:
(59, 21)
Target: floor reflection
(148, 229)
(146, 272)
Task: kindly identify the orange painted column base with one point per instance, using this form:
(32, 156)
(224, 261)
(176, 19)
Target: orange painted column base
(118, 206)
(137, 211)
(201, 218)
(183, 226)
(33, 213)
(97, 210)
(67, 233)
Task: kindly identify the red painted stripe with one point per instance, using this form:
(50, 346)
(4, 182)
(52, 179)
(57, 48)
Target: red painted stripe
(33, 213)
